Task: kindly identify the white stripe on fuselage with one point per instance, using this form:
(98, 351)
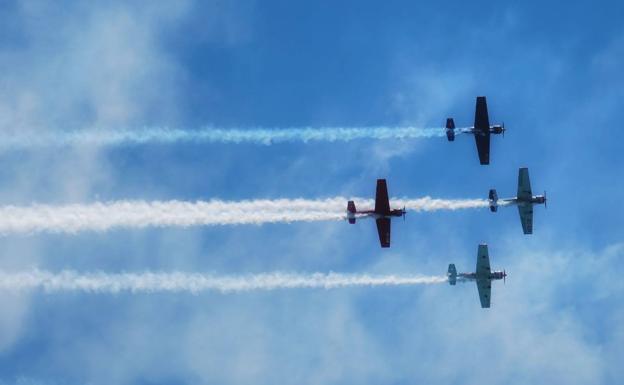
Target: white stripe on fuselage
(366, 215)
(507, 202)
(515, 202)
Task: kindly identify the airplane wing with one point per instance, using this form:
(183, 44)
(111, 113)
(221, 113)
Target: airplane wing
(482, 130)
(526, 218)
(484, 286)
(483, 261)
(382, 202)
(383, 229)
(483, 148)
(524, 184)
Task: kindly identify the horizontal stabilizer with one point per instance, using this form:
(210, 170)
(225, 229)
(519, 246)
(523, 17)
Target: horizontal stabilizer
(493, 198)
(450, 129)
(452, 274)
(351, 212)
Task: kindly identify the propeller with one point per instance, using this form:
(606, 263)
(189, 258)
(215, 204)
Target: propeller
(545, 200)
(504, 276)
(404, 212)
(503, 129)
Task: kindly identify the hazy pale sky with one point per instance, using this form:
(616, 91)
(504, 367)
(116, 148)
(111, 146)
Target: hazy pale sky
(551, 72)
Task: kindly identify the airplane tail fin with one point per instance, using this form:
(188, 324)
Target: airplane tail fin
(452, 274)
(351, 212)
(493, 198)
(450, 129)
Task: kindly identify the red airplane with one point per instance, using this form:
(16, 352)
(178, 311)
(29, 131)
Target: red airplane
(382, 213)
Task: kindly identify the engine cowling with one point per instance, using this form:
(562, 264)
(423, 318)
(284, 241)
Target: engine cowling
(497, 129)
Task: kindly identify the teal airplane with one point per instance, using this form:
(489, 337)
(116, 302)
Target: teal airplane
(525, 200)
(483, 276)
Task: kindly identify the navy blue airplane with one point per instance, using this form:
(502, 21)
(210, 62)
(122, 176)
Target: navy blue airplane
(481, 130)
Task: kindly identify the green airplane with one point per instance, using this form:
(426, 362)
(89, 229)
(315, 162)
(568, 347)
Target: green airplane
(483, 276)
(524, 200)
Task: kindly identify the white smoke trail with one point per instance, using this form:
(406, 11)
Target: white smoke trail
(163, 135)
(139, 214)
(195, 283)
(431, 204)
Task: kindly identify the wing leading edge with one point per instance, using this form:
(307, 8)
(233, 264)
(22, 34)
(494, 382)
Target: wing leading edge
(484, 283)
(482, 130)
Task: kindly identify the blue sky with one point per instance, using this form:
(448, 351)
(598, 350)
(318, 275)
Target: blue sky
(551, 72)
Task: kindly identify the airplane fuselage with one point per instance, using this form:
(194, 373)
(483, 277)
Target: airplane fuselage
(374, 214)
(536, 199)
(494, 275)
(495, 129)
